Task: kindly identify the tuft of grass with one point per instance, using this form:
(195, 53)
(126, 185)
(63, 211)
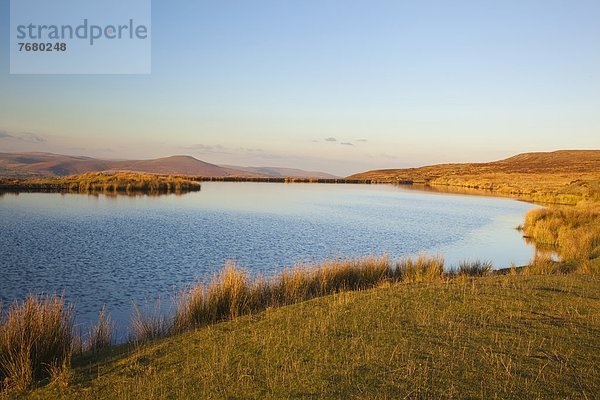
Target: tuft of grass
(148, 324)
(101, 334)
(61, 375)
(421, 269)
(542, 264)
(474, 268)
(227, 297)
(190, 310)
(36, 338)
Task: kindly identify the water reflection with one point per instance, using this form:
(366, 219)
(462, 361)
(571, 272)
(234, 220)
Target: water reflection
(96, 193)
(542, 250)
(459, 190)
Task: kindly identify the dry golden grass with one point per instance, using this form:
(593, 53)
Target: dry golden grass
(148, 324)
(497, 337)
(562, 177)
(101, 334)
(98, 182)
(232, 293)
(421, 269)
(36, 338)
(573, 232)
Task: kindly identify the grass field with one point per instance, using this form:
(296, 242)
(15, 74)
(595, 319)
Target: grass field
(508, 336)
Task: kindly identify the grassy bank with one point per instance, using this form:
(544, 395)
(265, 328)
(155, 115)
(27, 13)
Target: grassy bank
(508, 336)
(30, 330)
(97, 182)
(37, 341)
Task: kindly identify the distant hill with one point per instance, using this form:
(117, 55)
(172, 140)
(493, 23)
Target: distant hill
(560, 177)
(181, 165)
(562, 161)
(279, 172)
(48, 164)
(22, 165)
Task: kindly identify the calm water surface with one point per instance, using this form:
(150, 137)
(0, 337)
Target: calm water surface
(115, 250)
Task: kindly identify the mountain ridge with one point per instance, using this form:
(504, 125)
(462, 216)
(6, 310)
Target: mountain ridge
(554, 162)
(43, 164)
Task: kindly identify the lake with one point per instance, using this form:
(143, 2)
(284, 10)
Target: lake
(113, 250)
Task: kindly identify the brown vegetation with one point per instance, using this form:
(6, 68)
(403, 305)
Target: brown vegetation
(28, 165)
(232, 293)
(561, 177)
(36, 338)
(98, 182)
(101, 334)
(573, 232)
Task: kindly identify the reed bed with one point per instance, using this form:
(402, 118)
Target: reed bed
(421, 269)
(473, 268)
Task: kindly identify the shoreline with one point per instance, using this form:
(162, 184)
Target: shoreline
(67, 185)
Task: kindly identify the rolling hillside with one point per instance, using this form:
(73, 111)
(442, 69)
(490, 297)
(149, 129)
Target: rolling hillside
(47, 164)
(564, 177)
(27, 165)
(279, 172)
(181, 165)
(562, 161)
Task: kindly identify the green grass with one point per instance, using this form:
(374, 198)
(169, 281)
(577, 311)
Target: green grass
(508, 336)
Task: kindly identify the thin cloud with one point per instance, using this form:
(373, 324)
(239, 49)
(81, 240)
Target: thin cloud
(31, 137)
(379, 156)
(4, 134)
(23, 137)
(331, 139)
(220, 149)
(206, 148)
(347, 144)
(361, 140)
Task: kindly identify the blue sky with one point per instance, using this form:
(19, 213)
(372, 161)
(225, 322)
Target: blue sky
(389, 83)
